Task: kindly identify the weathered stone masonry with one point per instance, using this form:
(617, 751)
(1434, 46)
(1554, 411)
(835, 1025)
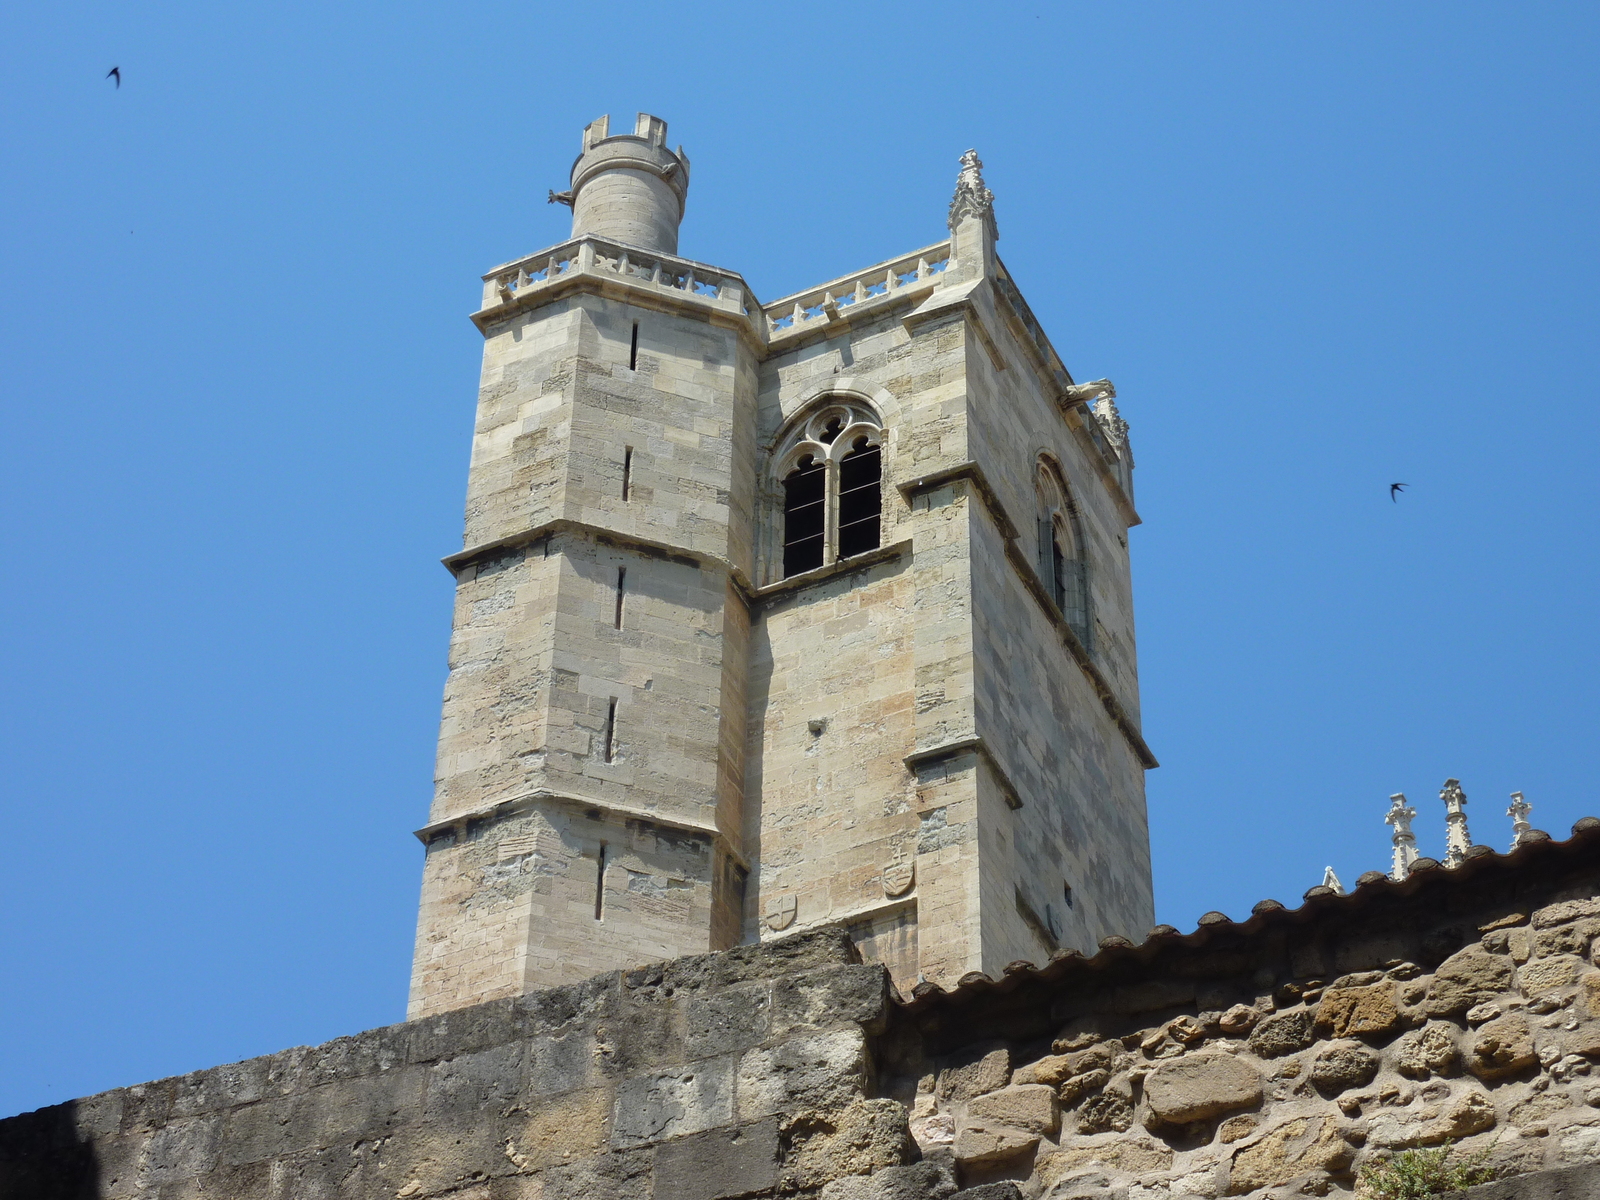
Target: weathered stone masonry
(667, 731)
(1268, 1058)
(661, 737)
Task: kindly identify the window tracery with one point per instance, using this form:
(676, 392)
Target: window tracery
(828, 472)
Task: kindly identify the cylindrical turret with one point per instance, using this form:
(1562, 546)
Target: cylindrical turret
(631, 188)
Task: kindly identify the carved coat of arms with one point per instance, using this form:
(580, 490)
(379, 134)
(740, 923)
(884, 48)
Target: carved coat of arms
(780, 912)
(898, 878)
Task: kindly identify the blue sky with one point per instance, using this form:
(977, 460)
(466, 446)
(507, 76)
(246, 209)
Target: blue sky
(1320, 249)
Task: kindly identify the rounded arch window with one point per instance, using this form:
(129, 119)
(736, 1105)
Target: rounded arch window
(829, 469)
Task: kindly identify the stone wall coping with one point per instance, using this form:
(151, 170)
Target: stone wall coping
(510, 1019)
(1072, 966)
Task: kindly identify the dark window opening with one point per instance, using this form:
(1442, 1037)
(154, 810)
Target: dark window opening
(611, 729)
(1075, 601)
(1066, 889)
(804, 505)
(627, 470)
(633, 349)
(622, 579)
(831, 433)
(860, 499)
(1058, 572)
(600, 883)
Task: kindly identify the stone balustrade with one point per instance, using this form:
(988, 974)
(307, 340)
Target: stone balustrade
(827, 302)
(592, 255)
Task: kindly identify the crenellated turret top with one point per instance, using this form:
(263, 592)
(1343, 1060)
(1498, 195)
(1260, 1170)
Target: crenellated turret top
(628, 187)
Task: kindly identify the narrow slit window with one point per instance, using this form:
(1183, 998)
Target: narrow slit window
(627, 472)
(1058, 570)
(600, 883)
(633, 349)
(804, 508)
(611, 729)
(622, 580)
(1066, 893)
(860, 498)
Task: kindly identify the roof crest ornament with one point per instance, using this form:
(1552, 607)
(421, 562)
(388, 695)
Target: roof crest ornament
(1400, 815)
(1105, 412)
(972, 198)
(1457, 841)
(1330, 880)
(1518, 812)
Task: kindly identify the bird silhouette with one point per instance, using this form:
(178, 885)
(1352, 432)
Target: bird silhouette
(1394, 489)
(115, 73)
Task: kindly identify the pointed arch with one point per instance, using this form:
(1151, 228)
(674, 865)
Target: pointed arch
(1062, 552)
(825, 484)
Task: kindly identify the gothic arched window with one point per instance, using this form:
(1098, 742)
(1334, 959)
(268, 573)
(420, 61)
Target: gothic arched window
(1062, 563)
(830, 468)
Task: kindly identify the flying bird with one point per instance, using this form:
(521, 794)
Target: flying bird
(115, 73)
(1394, 490)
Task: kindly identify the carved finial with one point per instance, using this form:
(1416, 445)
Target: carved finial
(1400, 815)
(1518, 812)
(972, 198)
(1330, 880)
(1105, 412)
(1457, 841)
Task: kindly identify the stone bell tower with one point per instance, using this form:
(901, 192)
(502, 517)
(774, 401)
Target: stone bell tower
(775, 616)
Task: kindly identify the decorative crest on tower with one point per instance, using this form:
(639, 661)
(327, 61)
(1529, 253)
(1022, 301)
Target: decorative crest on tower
(1400, 815)
(1457, 841)
(1518, 812)
(972, 198)
(1105, 412)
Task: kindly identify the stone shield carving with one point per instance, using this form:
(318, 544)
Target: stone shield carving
(898, 878)
(780, 912)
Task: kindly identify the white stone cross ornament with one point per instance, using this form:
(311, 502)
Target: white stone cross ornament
(1400, 815)
(1457, 841)
(1518, 812)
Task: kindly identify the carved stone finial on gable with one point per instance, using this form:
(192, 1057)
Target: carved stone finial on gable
(1518, 812)
(972, 198)
(1400, 815)
(1330, 880)
(1457, 841)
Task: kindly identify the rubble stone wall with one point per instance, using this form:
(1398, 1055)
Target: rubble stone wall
(1272, 1058)
(1280, 1056)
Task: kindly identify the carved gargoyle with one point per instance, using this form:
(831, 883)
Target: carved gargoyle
(1093, 390)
